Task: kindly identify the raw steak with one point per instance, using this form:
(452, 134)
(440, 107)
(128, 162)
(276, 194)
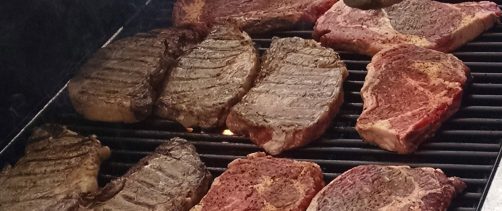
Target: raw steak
(117, 84)
(388, 188)
(298, 92)
(408, 92)
(256, 16)
(59, 166)
(210, 79)
(261, 182)
(426, 23)
(172, 178)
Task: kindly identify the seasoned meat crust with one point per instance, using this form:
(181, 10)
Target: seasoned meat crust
(408, 93)
(388, 188)
(256, 16)
(260, 182)
(172, 178)
(58, 168)
(210, 79)
(298, 92)
(118, 83)
(426, 23)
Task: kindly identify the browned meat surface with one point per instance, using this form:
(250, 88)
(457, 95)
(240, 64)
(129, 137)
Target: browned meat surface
(118, 83)
(260, 182)
(59, 166)
(426, 23)
(256, 16)
(209, 79)
(408, 93)
(388, 188)
(172, 178)
(298, 92)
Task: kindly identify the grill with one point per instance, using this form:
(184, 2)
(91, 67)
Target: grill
(466, 146)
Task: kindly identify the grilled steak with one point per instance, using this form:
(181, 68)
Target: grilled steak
(426, 23)
(298, 92)
(59, 166)
(389, 188)
(261, 182)
(408, 92)
(118, 83)
(255, 16)
(210, 79)
(172, 178)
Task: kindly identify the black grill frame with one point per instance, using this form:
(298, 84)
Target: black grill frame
(473, 134)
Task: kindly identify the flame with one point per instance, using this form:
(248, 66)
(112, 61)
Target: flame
(227, 132)
(189, 129)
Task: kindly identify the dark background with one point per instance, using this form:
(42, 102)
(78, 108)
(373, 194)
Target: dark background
(42, 43)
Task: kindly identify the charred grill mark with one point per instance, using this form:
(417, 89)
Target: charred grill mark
(211, 54)
(196, 75)
(64, 142)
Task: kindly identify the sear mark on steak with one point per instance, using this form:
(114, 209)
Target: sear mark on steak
(58, 168)
(298, 92)
(408, 92)
(210, 79)
(118, 83)
(257, 16)
(172, 178)
(426, 23)
(389, 188)
(260, 182)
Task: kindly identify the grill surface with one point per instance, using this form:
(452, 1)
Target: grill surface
(466, 146)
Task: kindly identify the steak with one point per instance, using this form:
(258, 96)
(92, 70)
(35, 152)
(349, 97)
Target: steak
(408, 92)
(297, 94)
(172, 178)
(210, 79)
(389, 188)
(260, 182)
(59, 167)
(255, 16)
(118, 83)
(426, 23)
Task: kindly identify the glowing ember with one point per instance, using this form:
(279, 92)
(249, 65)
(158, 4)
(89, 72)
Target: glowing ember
(189, 129)
(227, 132)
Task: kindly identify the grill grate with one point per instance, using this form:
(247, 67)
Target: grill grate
(466, 146)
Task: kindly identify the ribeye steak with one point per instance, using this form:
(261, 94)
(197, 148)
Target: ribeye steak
(388, 188)
(172, 178)
(262, 183)
(255, 16)
(58, 168)
(118, 83)
(426, 23)
(408, 92)
(298, 92)
(210, 79)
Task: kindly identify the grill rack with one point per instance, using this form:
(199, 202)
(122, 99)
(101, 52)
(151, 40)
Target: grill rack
(467, 145)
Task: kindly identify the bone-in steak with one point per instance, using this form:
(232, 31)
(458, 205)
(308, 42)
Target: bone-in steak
(210, 79)
(117, 84)
(388, 188)
(297, 94)
(408, 92)
(172, 178)
(261, 182)
(59, 166)
(426, 23)
(255, 16)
